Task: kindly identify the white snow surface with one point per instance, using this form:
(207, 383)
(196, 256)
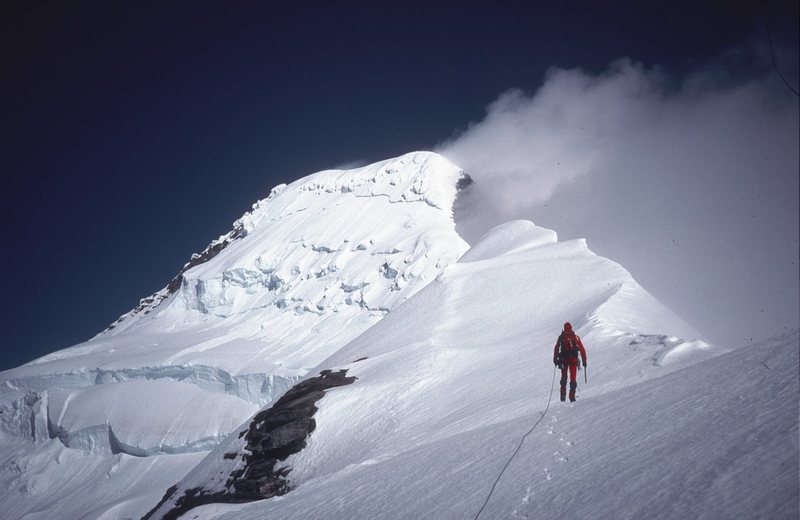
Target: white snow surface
(362, 264)
(56, 482)
(665, 428)
(718, 439)
(307, 270)
(119, 417)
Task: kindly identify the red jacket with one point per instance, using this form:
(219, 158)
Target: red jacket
(570, 355)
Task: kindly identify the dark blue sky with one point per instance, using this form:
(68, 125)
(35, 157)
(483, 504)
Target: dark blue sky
(134, 132)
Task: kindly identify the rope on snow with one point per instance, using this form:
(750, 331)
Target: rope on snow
(552, 385)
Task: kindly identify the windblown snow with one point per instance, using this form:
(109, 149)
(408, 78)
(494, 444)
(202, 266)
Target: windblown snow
(454, 352)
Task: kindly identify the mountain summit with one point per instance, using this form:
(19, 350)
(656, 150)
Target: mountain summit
(344, 345)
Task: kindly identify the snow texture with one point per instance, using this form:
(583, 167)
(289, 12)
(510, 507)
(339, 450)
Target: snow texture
(718, 439)
(359, 270)
(304, 272)
(249, 466)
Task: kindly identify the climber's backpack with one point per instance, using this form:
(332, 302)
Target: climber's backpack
(568, 344)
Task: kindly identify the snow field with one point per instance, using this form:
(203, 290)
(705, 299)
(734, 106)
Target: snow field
(346, 265)
(320, 261)
(475, 347)
(121, 417)
(308, 269)
(718, 439)
(458, 373)
(54, 481)
(715, 440)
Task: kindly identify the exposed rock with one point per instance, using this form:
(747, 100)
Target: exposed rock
(464, 181)
(272, 436)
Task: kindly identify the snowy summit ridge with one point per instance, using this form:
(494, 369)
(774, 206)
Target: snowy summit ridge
(344, 347)
(322, 258)
(267, 247)
(305, 271)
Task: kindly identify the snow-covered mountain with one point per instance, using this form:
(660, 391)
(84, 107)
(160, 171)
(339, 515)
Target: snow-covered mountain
(441, 360)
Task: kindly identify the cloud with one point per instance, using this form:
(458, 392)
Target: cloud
(555, 136)
(690, 181)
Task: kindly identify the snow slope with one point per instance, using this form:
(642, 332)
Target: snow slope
(715, 440)
(454, 377)
(454, 368)
(308, 269)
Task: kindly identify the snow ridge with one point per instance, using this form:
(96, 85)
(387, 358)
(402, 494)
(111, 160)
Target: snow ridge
(454, 364)
(302, 273)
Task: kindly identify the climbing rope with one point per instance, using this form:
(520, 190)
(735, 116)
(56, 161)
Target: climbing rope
(552, 385)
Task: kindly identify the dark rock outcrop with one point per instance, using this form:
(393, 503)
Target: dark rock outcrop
(272, 436)
(278, 432)
(464, 181)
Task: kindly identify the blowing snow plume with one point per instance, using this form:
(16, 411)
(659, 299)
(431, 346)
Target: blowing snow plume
(691, 182)
(629, 121)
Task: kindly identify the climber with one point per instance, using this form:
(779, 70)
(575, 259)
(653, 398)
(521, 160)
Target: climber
(565, 356)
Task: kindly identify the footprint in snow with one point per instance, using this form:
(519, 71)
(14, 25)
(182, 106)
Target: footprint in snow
(564, 438)
(527, 498)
